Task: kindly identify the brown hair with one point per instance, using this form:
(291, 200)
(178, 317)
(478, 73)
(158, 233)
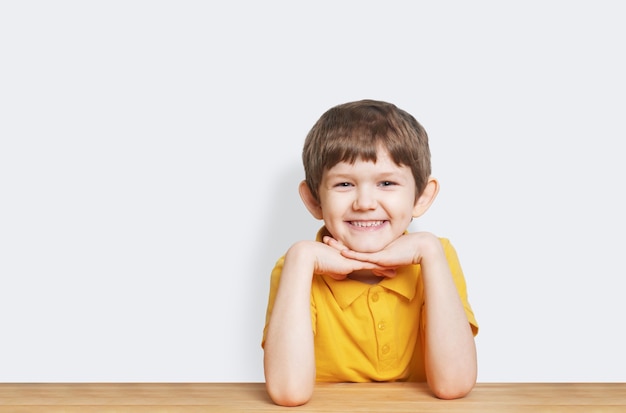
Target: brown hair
(354, 130)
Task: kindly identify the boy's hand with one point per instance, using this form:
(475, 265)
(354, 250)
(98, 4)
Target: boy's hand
(406, 250)
(328, 259)
(378, 270)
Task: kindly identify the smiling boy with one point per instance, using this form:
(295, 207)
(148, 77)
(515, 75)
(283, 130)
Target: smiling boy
(368, 300)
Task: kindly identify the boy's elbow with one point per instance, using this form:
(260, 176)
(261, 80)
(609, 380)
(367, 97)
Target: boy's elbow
(288, 394)
(450, 393)
(452, 389)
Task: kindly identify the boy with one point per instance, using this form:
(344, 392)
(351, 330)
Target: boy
(368, 301)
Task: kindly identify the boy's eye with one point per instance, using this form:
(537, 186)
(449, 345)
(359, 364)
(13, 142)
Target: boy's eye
(343, 184)
(387, 183)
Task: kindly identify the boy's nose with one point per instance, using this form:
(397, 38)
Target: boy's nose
(364, 200)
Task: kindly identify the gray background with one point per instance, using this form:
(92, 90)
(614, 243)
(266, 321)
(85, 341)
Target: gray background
(150, 156)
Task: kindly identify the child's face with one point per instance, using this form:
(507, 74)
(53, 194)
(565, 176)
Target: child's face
(367, 205)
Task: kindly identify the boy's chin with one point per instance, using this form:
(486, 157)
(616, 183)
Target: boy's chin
(367, 248)
(368, 243)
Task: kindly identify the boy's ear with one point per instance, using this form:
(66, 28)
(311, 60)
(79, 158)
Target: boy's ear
(427, 197)
(309, 200)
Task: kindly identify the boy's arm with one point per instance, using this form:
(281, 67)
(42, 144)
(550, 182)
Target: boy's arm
(450, 350)
(289, 358)
(289, 353)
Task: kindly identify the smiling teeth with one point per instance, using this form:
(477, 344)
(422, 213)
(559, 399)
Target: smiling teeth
(366, 224)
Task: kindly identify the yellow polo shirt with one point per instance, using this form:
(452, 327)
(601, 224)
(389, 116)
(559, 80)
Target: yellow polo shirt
(366, 332)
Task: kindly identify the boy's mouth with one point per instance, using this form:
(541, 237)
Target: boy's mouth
(366, 224)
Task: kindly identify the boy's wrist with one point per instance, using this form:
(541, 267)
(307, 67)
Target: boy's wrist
(429, 247)
(301, 253)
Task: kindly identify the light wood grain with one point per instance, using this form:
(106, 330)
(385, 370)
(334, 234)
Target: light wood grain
(344, 397)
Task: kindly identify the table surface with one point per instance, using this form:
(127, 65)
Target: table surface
(336, 397)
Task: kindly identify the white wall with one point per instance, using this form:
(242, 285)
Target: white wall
(150, 155)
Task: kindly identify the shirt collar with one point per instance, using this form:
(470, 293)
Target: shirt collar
(346, 291)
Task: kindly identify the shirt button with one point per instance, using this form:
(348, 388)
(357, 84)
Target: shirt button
(385, 349)
(375, 297)
(382, 325)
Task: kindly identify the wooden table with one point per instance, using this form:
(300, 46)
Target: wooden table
(344, 397)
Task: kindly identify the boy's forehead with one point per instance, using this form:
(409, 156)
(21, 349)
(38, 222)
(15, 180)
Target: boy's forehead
(383, 163)
(382, 154)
